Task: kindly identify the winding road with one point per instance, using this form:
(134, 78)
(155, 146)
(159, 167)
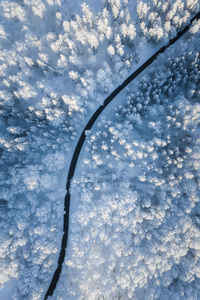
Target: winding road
(79, 145)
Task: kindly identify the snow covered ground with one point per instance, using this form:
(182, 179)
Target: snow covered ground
(58, 63)
(7, 292)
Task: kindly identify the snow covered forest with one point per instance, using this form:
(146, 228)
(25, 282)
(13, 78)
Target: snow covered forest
(135, 210)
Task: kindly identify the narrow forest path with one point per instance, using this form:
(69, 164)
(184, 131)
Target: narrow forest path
(80, 143)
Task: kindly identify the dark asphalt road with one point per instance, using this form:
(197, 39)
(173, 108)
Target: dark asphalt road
(79, 145)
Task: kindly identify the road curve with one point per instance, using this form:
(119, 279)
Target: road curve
(79, 145)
